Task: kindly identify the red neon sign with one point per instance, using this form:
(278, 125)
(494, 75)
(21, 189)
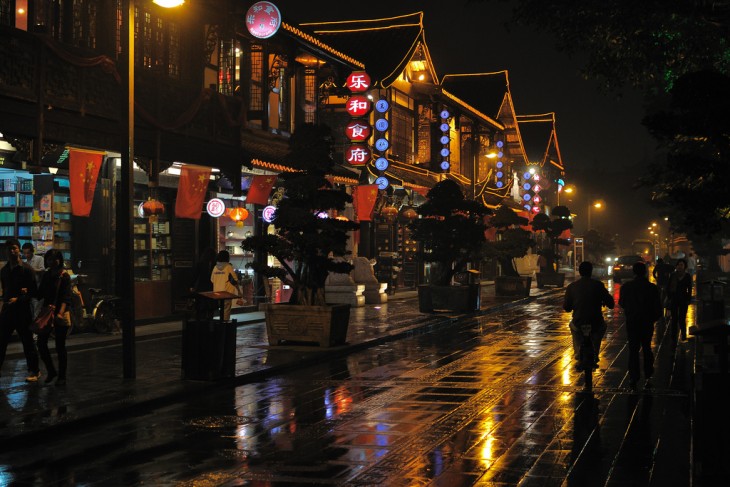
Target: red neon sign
(358, 155)
(358, 131)
(358, 106)
(358, 81)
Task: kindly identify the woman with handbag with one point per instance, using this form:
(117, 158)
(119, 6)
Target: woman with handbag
(55, 290)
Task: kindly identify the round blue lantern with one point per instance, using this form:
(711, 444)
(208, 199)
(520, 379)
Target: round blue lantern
(445, 152)
(382, 106)
(445, 165)
(500, 164)
(381, 163)
(382, 182)
(444, 139)
(500, 184)
(445, 114)
(381, 124)
(500, 144)
(500, 174)
(444, 127)
(526, 197)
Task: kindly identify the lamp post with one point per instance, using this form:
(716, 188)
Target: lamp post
(568, 189)
(125, 222)
(597, 205)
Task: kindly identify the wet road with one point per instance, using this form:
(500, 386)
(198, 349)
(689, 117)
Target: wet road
(494, 402)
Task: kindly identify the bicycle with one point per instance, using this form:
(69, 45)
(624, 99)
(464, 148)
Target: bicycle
(587, 357)
(101, 315)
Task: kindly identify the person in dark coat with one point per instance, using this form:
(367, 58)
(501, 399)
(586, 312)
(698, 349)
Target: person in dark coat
(640, 301)
(586, 298)
(204, 307)
(679, 291)
(55, 289)
(19, 286)
(662, 272)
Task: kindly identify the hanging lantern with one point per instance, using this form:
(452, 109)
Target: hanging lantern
(389, 214)
(152, 208)
(238, 215)
(409, 214)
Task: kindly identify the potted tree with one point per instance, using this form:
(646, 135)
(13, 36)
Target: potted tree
(451, 231)
(512, 242)
(553, 228)
(305, 243)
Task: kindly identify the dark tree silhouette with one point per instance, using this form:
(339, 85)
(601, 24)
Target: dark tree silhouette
(553, 228)
(512, 241)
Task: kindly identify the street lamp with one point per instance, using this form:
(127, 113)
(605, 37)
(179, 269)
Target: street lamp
(125, 224)
(568, 189)
(597, 205)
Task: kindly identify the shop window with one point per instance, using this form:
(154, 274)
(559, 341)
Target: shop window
(467, 152)
(424, 134)
(279, 92)
(310, 95)
(252, 65)
(229, 55)
(402, 127)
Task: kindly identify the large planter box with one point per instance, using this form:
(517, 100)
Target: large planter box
(324, 325)
(512, 286)
(452, 298)
(556, 279)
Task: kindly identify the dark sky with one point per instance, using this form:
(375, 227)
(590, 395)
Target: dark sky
(603, 144)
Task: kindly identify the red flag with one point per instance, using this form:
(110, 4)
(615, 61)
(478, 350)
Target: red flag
(260, 189)
(83, 172)
(191, 191)
(363, 199)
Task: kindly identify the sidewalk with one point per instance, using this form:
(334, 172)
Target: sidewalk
(96, 390)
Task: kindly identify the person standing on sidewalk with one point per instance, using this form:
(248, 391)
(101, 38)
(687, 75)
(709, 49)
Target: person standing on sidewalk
(19, 286)
(640, 301)
(55, 289)
(679, 291)
(38, 265)
(224, 279)
(586, 298)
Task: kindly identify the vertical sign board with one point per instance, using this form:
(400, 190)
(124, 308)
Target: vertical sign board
(578, 254)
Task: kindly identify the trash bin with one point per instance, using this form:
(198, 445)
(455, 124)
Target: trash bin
(711, 301)
(208, 349)
(475, 289)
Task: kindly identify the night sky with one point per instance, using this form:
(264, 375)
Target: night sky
(603, 144)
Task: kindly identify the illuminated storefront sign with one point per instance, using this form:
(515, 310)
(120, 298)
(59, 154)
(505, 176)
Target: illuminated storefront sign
(358, 81)
(263, 20)
(358, 131)
(358, 155)
(215, 207)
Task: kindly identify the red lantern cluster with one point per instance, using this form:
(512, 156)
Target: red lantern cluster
(358, 130)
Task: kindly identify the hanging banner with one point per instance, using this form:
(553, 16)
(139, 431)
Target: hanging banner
(191, 191)
(363, 200)
(83, 172)
(260, 190)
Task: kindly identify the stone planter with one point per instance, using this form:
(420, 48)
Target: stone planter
(324, 325)
(556, 279)
(452, 298)
(512, 286)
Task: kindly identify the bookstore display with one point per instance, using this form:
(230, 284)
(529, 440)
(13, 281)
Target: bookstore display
(152, 249)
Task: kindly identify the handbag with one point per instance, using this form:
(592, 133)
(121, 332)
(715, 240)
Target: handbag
(46, 315)
(44, 319)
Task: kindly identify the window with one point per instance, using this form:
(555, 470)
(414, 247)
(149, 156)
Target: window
(310, 95)
(424, 134)
(256, 76)
(7, 12)
(71, 22)
(229, 55)
(402, 127)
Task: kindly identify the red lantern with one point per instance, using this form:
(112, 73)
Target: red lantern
(358, 81)
(409, 214)
(238, 215)
(358, 154)
(389, 214)
(358, 106)
(358, 131)
(151, 208)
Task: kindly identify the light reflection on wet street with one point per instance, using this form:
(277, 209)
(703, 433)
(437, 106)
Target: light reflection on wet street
(493, 402)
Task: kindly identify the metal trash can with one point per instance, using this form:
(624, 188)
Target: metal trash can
(711, 301)
(208, 349)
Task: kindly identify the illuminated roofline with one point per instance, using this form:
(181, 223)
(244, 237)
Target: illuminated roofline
(458, 100)
(318, 43)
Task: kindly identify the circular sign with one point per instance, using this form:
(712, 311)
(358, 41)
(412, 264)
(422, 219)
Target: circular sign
(358, 155)
(263, 20)
(445, 114)
(445, 165)
(358, 81)
(382, 106)
(381, 163)
(499, 165)
(526, 197)
(500, 184)
(500, 154)
(358, 130)
(358, 106)
(382, 124)
(444, 127)
(500, 174)
(445, 152)
(268, 213)
(444, 139)
(527, 206)
(500, 144)
(537, 188)
(536, 199)
(382, 144)
(215, 207)
(382, 182)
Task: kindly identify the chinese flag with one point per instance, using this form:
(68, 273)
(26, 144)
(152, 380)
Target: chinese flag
(191, 191)
(260, 189)
(83, 172)
(363, 199)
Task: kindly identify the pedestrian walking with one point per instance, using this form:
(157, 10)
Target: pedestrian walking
(586, 298)
(204, 307)
(55, 289)
(662, 272)
(38, 265)
(223, 278)
(679, 291)
(640, 301)
(19, 286)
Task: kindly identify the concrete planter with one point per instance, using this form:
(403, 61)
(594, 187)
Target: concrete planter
(452, 298)
(556, 279)
(324, 325)
(512, 286)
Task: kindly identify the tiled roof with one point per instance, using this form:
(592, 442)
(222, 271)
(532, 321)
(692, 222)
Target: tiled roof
(384, 45)
(484, 91)
(539, 138)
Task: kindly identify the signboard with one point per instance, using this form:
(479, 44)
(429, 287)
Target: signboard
(358, 131)
(358, 81)
(215, 207)
(358, 155)
(267, 214)
(358, 106)
(263, 20)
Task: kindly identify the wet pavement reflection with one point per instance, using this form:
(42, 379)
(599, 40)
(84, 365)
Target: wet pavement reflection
(493, 402)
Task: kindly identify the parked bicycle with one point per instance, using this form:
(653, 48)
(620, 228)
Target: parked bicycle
(100, 313)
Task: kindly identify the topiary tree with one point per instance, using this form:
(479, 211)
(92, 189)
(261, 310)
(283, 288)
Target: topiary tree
(553, 228)
(451, 229)
(306, 240)
(512, 241)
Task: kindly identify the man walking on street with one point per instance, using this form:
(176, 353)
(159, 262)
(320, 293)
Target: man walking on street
(19, 285)
(586, 298)
(640, 301)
